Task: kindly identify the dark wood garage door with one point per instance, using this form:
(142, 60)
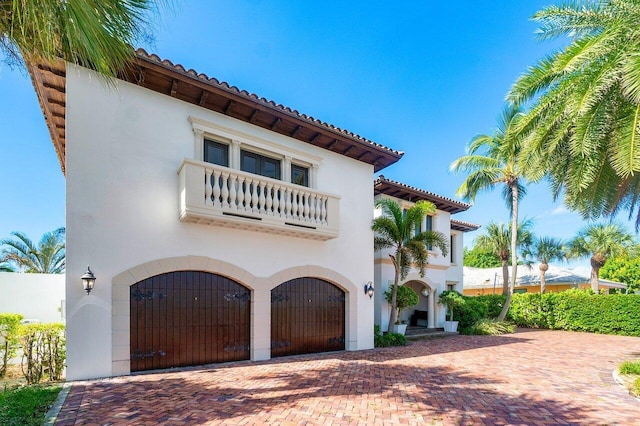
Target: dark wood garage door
(307, 316)
(188, 318)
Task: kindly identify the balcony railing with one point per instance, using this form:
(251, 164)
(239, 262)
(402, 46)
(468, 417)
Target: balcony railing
(222, 196)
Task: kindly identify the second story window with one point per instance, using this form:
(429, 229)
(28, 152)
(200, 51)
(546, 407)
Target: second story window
(216, 153)
(429, 227)
(452, 248)
(299, 175)
(252, 162)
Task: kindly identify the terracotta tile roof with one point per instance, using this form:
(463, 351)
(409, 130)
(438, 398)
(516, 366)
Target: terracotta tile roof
(165, 77)
(460, 225)
(141, 53)
(410, 193)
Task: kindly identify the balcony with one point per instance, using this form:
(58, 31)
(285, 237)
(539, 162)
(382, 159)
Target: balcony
(220, 196)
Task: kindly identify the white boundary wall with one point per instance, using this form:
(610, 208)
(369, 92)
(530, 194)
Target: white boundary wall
(36, 296)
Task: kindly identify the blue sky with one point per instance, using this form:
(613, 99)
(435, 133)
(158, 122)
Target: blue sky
(421, 77)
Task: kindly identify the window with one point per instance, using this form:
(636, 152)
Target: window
(429, 223)
(216, 153)
(259, 164)
(451, 287)
(299, 175)
(452, 249)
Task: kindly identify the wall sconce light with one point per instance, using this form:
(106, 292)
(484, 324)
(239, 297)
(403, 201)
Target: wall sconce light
(88, 280)
(425, 292)
(368, 289)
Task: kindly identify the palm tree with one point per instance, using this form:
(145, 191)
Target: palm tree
(95, 34)
(600, 241)
(6, 268)
(498, 239)
(47, 257)
(545, 250)
(492, 160)
(585, 113)
(396, 230)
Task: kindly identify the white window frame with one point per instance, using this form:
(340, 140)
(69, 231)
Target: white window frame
(238, 140)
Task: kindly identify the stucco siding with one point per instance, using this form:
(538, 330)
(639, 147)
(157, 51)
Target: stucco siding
(124, 147)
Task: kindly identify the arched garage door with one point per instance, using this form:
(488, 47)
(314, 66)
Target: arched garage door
(188, 318)
(307, 316)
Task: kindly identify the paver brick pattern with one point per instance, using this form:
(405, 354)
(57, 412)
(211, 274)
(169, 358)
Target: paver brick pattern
(527, 378)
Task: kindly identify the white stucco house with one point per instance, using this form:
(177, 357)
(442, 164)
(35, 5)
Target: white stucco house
(220, 226)
(442, 272)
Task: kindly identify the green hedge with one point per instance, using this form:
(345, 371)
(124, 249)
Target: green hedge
(575, 310)
(9, 326)
(578, 310)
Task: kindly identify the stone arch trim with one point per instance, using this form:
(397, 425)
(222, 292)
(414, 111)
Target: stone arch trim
(314, 271)
(120, 321)
(423, 280)
(183, 263)
(350, 293)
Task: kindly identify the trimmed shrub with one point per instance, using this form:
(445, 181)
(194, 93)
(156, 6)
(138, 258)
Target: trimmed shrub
(469, 312)
(493, 302)
(43, 347)
(578, 310)
(9, 326)
(534, 310)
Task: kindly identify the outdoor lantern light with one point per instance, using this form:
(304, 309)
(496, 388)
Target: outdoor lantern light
(425, 292)
(368, 289)
(88, 279)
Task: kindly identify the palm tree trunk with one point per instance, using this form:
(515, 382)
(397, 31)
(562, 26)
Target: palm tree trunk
(394, 294)
(595, 279)
(543, 282)
(514, 248)
(505, 278)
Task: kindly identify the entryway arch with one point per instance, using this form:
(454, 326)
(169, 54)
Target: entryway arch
(423, 314)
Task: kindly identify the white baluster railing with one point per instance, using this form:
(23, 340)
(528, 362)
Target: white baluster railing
(228, 195)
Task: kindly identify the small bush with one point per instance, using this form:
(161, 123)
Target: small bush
(630, 367)
(452, 300)
(43, 347)
(490, 327)
(389, 339)
(405, 297)
(9, 326)
(635, 388)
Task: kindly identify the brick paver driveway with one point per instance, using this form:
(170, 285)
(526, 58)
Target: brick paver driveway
(530, 378)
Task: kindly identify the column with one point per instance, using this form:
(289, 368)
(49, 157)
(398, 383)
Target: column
(286, 169)
(431, 315)
(234, 161)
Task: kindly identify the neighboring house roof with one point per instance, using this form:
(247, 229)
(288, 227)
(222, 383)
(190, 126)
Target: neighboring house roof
(163, 76)
(409, 193)
(460, 225)
(477, 278)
